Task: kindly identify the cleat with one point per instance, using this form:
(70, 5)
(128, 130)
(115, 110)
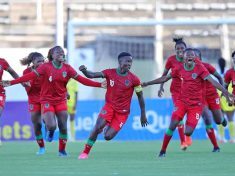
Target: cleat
(183, 146)
(41, 151)
(188, 140)
(162, 154)
(224, 123)
(83, 156)
(216, 149)
(63, 153)
(49, 136)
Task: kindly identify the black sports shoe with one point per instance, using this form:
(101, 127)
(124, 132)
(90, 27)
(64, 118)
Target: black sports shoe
(162, 154)
(216, 149)
(224, 123)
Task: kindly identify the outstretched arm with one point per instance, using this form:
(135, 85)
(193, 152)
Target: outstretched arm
(161, 90)
(143, 119)
(90, 74)
(89, 82)
(25, 78)
(220, 79)
(13, 73)
(157, 81)
(230, 97)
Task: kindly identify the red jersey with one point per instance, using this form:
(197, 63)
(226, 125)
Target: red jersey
(174, 63)
(192, 84)
(33, 91)
(229, 77)
(3, 66)
(54, 81)
(210, 89)
(120, 89)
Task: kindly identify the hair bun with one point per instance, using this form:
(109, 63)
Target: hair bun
(177, 39)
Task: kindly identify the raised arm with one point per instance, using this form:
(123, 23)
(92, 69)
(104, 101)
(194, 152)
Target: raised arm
(139, 93)
(90, 74)
(157, 81)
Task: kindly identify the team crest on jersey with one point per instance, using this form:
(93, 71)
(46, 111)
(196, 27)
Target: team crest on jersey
(127, 82)
(111, 82)
(194, 75)
(103, 112)
(46, 105)
(64, 74)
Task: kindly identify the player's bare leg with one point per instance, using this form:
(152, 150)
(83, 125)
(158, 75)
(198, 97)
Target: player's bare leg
(37, 124)
(50, 122)
(168, 135)
(110, 133)
(209, 128)
(62, 118)
(98, 128)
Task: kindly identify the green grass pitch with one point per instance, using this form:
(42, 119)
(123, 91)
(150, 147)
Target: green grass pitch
(117, 158)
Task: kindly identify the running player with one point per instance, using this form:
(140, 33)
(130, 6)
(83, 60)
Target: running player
(212, 103)
(121, 84)
(173, 62)
(190, 100)
(4, 66)
(229, 77)
(72, 89)
(33, 91)
(54, 76)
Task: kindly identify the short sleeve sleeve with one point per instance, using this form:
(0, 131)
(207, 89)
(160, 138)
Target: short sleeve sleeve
(227, 77)
(41, 70)
(71, 72)
(105, 73)
(168, 64)
(211, 69)
(136, 81)
(204, 73)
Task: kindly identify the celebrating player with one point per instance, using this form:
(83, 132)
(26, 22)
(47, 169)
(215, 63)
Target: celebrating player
(212, 103)
(54, 76)
(173, 62)
(228, 111)
(33, 91)
(120, 86)
(4, 66)
(229, 78)
(190, 100)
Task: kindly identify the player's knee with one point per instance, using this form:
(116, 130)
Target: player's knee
(108, 137)
(51, 127)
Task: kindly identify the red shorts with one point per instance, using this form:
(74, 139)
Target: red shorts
(193, 113)
(115, 120)
(47, 107)
(213, 102)
(2, 100)
(34, 107)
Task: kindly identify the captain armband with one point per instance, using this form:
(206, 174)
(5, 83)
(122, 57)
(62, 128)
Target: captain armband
(138, 88)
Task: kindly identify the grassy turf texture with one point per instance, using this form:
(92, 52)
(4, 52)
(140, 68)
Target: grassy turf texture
(117, 158)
